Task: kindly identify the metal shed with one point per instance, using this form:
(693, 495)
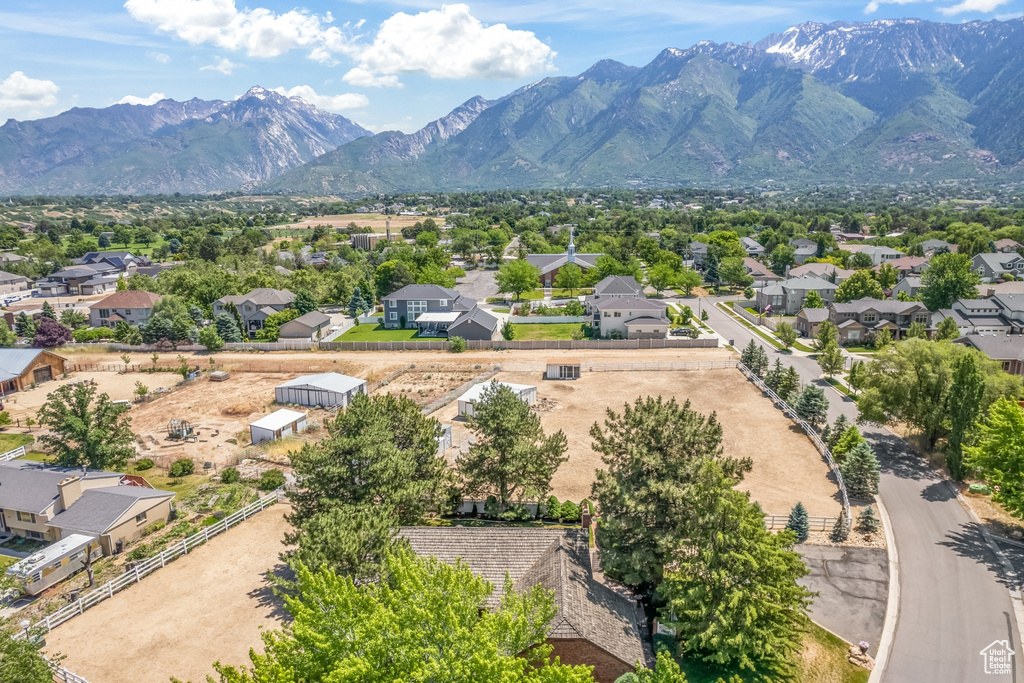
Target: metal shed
(562, 368)
(527, 392)
(326, 389)
(277, 425)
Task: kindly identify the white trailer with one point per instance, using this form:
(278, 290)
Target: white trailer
(55, 562)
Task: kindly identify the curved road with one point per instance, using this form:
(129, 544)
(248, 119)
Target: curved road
(954, 597)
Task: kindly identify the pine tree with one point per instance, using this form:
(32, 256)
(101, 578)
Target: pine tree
(760, 362)
(227, 328)
(812, 406)
(867, 523)
(25, 326)
(838, 429)
(48, 311)
(846, 442)
(773, 378)
(839, 532)
(789, 387)
(748, 354)
(356, 305)
(860, 471)
(798, 522)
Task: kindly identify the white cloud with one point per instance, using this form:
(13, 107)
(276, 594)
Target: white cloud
(367, 79)
(132, 99)
(333, 103)
(973, 6)
(223, 65)
(159, 57)
(260, 32)
(26, 96)
(873, 6)
(450, 43)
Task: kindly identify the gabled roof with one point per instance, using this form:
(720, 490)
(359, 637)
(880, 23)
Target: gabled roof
(416, 292)
(886, 306)
(820, 270)
(997, 262)
(758, 270)
(646, 320)
(807, 283)
(477, 316)
(262, 296)
(545, 263)
(558, 560)
(97, 510)
(31, 486)
(128, 298)
(277, 419)
(327, 381)
(311, 319)
(979, 304)
(1000, 347)
(476, 392)
(614, 303)
(14, 361)
(624, 285)
(814, 315)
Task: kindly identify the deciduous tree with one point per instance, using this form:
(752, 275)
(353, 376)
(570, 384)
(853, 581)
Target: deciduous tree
(86, 430)
(858, 286)
(570, 276)
(517, 277)
(831, 360)
(965, 397)
(998, 454)
(688, 279)
(948, 277)
(787, 334)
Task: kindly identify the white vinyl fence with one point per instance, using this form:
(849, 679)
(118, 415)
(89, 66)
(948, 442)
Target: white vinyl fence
(62, 675)
(11, 455)
(147, 567)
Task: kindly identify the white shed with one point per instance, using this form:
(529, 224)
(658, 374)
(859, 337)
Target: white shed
(326, 389)
(527, 392)
(563, 368)
(277, 425)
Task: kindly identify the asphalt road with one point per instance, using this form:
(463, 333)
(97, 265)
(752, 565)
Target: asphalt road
(954, 599)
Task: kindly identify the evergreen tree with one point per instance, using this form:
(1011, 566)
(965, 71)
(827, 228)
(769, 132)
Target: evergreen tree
(867, 522)
(121, 284)
(748, 353)
(48, 311)
(356, 305)
(711, 269)
(798, 522)
(965, 396)
(860, 471)
(838, 429)
(812, 406)
(828, 333)
(196, 315)
(760, 362)
(773, 378)
(847, 441)
(839, 532)
(227, 328)
(789, 386)
(508, 331)
(305, 302)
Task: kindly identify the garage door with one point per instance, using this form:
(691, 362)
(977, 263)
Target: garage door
(41, 375)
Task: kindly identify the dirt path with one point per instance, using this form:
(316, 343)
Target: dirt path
(207, 606)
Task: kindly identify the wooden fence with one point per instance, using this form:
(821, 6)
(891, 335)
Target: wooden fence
(772, 323)
(655, 366)
(147, 567)
(11, 455)
(814, 523)
(813, 435)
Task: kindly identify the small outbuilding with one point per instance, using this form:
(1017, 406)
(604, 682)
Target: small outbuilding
(563, 368)
(55, 562)
(277, 425)
(527, 392)
(308, 326)
(327, 389)
(20, 368)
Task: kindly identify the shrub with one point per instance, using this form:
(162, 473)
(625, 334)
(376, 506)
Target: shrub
(570, 511)
(182, 468)
(491, 507)
(798, 522)
(866, 521)
(154, 527)
(839, 532)
(457, 344)
(230, 475)
(139, 552)
(476, 510)
(271, 479)
(143, 464)
(516, 513)
(574, 307)
(553, 508)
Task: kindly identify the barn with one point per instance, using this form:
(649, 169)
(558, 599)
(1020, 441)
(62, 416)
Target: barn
(326, 389)
(527, 392)
(277, 425)
(20, 368)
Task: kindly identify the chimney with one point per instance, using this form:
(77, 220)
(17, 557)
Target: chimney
(69, 491)
(387, 228)
(991, 292)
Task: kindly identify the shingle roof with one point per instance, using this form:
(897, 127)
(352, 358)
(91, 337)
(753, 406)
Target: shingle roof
(807, 283)
(625, 285)
(558, 560)
(820, 269)
(979, 304)
(476, 315)
(628, 302)
(311, 319)
(646, 320)
(887, 306)
(99, 509)
(262, 296)
(32, 487)
(545, 263)
(328, 381)
(422, 292)
(128, 298)
(997, 346)
(815, 315)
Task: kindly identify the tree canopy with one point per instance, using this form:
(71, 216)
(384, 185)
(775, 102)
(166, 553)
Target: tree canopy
(86, 430)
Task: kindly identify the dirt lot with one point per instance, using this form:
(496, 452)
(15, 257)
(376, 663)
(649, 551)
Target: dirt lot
(119, 387)
(427, 385)
(209, 605)
(787, 467)
(372, 220)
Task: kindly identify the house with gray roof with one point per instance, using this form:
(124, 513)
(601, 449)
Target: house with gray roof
(981, 316)
(910, 285)
(613, 316)
(992, 267)
(787, 298)
(809, 320)
(753, 248)
(1006, 349)
(255, 306)
(826, 271)
(1011, 308)
(549, 264)
(879, 255)
(47, 503)
(762, 275)
(308, 326)
(441, 306)
(597, 624)
(476, 324)
(935, 246)
(83, 280)
(856, 320)
(618, 285)
(12, 282)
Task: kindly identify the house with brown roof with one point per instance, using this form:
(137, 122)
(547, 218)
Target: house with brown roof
(596, 624)
(907, 265)
(761, 273)
(1007, 246)
(132, 306)
(256, 306)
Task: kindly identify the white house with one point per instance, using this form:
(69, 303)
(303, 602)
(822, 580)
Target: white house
(325, 389)
(526, 392)
(277, 425)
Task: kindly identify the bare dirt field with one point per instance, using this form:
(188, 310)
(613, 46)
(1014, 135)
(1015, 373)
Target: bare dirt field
(787, 467)
(120, 387)
(373, 220)
(209, 605)
(423, 386)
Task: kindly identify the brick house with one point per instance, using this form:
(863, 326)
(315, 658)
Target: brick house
(131, 306)
(596, 625)
(550, 264)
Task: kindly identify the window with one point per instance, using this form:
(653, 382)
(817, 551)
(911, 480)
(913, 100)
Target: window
(443, 302)
(415, 308)
(394, 315)
(127, 312)
(607, 314)
(920, 318)
(853, 335)
(618, 314)
(26, 517)
(392, 303)
(869, 317)
(34, 534)
(38, 576)
(140, 518)
(56, 565)
(104, 312)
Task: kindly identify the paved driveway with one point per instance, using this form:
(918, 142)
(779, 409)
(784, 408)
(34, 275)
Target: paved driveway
(478, 284)
(852, 586)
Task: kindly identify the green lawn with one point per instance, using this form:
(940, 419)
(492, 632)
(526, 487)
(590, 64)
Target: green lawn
(838, 386)
(549, 331)
(538, 294)
(501, 310)
(756, 329)
(823, 660)
(6, 562)
(367, 332)
(10, 441)
(137, 248)
(183, 487)
(37, 456)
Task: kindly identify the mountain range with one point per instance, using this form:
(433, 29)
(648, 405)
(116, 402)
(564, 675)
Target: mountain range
(859, 103)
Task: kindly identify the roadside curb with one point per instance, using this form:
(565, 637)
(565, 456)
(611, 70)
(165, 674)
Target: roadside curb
(1016, 599)
(892, 605)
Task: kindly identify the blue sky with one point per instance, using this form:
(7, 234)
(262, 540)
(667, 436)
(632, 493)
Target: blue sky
(386, 65)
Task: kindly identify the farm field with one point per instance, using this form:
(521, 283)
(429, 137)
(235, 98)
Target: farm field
(372, 220)
(787, 467)
(206, 606)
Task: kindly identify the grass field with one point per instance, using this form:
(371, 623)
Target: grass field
(8, 441)
(823, 660)
(6, 562)
(366, 332)
(528, 331)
